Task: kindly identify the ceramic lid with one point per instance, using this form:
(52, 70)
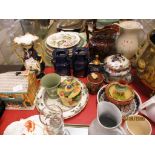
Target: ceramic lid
(117, 62)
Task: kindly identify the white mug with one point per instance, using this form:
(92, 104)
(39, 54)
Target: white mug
(148, 108)
(109, 118)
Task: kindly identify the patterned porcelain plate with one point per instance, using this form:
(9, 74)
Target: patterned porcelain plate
(82, 43)
(126, 110)
(42, 100)
(63, 40)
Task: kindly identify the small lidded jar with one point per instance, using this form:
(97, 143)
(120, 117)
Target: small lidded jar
(95, 65)
(95, 81)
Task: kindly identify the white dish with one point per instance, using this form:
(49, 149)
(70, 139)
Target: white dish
(63, 40)
(42, 100)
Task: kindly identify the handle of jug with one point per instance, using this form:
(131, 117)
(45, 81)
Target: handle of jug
(121, 130)
(147, 103)
(141, 37)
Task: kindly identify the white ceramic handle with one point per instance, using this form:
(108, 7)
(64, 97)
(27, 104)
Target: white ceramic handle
(143, 112)
(120, 129)
(142, 35)
(147, 103)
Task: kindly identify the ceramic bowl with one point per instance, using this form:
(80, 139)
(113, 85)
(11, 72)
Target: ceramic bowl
(119, 94)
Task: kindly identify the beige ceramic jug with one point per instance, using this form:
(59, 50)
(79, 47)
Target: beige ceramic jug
(131, 36)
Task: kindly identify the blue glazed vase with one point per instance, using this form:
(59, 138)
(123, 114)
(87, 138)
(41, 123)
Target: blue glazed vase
(61, 62)
(80, 61)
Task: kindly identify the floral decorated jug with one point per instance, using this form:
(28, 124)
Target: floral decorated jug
(131, 36)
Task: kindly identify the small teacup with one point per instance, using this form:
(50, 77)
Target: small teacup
(137, 125)
(109, 118)
(50, 82)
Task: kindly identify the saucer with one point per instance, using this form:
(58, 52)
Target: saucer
(96, 129)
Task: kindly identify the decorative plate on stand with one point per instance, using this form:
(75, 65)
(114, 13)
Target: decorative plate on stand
(42, 100)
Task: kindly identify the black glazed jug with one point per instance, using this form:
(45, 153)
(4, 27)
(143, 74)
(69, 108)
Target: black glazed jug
(80, 61)
(61, 62)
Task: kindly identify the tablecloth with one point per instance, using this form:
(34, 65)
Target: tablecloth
(85, 117)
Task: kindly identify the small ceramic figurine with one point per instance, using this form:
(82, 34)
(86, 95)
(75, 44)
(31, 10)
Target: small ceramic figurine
(32, 60)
